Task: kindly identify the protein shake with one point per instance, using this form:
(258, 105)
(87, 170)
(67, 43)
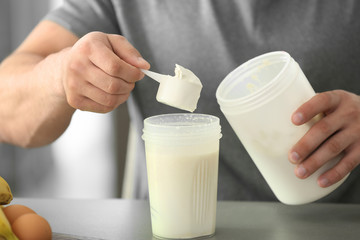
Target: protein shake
(182, 164)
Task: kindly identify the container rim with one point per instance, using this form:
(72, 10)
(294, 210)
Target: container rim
(229, 81)
(181, 125)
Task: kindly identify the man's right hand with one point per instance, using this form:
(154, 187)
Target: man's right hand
(101, 71)
(53, 72)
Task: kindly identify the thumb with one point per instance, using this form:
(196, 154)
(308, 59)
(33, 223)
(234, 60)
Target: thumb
(127, 52)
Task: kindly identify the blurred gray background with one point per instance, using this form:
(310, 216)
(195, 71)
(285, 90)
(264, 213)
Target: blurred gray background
(87, 161)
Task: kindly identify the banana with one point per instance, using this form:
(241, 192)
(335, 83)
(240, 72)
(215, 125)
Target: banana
(5, 192)
(5, 229)
(5, 198)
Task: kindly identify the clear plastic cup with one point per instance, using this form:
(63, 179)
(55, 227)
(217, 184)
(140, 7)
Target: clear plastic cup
(258, 99)
(182, 152)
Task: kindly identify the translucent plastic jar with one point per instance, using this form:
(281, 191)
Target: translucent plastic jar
(258, 99)
(182, 155)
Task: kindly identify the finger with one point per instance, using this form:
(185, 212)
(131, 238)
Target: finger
(126, 51)
(321, 103)
(86, 104)
(342, 168)
(107, 83)
(82, 95)
(108, 100)
(333, 147)
(106, 60)
(313, 138)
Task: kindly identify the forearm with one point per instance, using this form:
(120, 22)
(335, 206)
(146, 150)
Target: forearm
(33, 106)
(53, 73)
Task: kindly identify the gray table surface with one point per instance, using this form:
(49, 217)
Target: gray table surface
(130, 220)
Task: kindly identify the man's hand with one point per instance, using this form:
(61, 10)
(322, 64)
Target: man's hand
(100, 72)
(53, 72)
(338, 132)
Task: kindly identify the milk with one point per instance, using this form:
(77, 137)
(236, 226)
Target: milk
(258, 99)
(183, 196)
(182, 152)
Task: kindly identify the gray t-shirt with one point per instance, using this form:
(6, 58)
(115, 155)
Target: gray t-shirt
(212, 38)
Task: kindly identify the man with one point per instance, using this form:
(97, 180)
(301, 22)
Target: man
(86, 55)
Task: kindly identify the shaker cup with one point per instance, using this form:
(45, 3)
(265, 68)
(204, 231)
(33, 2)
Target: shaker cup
(182, 153)
(258, 99)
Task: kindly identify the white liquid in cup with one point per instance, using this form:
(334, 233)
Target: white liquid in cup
(258, 99)
(182, 152)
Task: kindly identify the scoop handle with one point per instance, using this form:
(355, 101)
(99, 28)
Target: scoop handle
(155, 76)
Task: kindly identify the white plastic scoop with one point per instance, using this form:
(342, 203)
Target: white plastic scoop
(180, 91)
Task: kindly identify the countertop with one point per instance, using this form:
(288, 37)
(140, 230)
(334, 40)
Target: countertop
(130, 220)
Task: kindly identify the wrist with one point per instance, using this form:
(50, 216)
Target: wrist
(51, 72)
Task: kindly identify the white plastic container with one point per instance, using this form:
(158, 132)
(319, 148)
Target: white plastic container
(258, 99)
(182, 152)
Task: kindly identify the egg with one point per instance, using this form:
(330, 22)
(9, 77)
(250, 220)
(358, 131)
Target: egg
(14, 211)
(31, 226)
